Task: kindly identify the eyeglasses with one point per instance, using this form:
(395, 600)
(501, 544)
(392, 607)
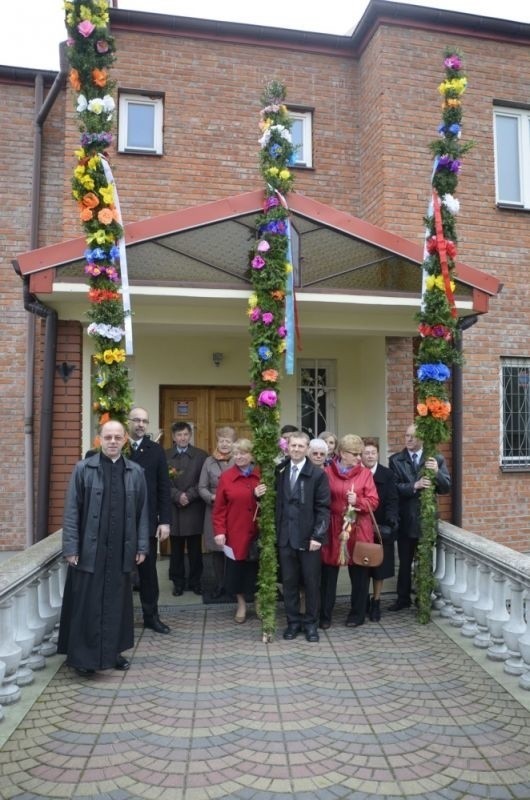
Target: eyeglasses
(139, 421)
(322, 455)
(358, 455)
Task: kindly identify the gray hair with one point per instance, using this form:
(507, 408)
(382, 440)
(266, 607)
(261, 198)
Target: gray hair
(318, 444)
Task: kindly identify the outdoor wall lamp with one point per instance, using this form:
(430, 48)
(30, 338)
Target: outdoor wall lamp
(65, 370)
(217, 358)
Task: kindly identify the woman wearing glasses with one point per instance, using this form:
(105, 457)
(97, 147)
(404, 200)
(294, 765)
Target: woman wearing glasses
(353, 493)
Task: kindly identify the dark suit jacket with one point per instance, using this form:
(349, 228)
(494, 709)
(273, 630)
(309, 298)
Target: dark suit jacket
(186, 520)
(387, 512)
(303, 514)
(409, 499)
(152, 458)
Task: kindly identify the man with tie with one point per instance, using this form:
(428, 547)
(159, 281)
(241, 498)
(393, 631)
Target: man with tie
(187, 509)
(408, 466)
(302, 520)
(151, 457)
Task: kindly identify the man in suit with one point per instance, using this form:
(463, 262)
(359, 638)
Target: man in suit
(151, 457)
(302, 520)
(187, 509)
(407, 466)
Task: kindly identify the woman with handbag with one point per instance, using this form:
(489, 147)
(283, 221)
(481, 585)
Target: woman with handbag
(387, 516)
(353, 496)
(234, 524)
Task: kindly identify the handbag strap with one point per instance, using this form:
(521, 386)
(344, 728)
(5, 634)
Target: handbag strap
(376, 526)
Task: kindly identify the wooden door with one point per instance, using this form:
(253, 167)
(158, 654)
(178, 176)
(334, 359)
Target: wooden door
(205, 408)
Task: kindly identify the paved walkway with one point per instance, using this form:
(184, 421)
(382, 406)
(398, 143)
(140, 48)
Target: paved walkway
(390, 710)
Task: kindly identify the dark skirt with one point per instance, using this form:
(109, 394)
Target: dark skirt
(387, 567)
(241, 577)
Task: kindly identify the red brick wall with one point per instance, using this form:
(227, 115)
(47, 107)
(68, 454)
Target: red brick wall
(373, 121)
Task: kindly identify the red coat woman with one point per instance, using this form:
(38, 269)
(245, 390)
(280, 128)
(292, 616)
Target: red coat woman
(349, 482)
(234, 523)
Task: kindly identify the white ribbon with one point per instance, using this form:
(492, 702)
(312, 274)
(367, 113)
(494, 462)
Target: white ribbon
(124, 275)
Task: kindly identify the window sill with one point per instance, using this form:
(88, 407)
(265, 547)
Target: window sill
(130, 151)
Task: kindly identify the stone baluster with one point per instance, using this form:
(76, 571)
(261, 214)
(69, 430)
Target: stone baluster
(56, 585)
(469, 599)
(447, 582)
(458, 589)
(2, 673)
(524, 648)
(35, 623)
(24, 638)
(513, 630)
(10, 654)
(47, 613)
(497, 618)
(439, 602)
(482, 607)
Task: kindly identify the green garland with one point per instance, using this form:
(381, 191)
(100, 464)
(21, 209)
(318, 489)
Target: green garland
(268, 268)
(90, 54)
(437, 320)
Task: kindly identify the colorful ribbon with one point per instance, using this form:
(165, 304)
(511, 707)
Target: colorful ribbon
(442, 250)
(124, 275)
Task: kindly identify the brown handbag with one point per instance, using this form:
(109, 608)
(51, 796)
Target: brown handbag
(369, 554)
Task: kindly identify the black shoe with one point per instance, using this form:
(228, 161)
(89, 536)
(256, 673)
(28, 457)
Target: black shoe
(196, 589)
(136, 587)
(352, 622)
(122, 664)
(218, 592)
(292, 630)
(324, 624)
(177, 591)
(399, 605)
(84, 672)
(154, 624)
(311, 633)
(375, 610)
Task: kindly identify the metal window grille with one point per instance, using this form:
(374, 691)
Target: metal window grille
(515, 412)
(316, 396)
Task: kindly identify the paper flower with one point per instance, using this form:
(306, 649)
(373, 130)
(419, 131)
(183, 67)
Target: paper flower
(257, 262)
(270, 375)
(267, 318)
(263, 246)
(433, 372)
(86, 28)
(264, 353)
(268, 398)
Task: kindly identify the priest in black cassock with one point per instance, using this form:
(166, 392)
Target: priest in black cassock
(105, 533)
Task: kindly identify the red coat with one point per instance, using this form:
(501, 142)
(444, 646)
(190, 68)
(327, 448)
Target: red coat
(234, 510)
(340, 484)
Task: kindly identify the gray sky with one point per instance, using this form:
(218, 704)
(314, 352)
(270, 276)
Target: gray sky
(32, 29)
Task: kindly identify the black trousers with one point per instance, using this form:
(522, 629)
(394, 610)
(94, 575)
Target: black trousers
(328, 591)
(360, 578)
(177, 570)
(406, 552)
(300, 568)
(148, 580)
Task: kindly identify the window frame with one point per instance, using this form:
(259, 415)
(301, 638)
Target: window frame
(156, 101)
(522, 115)
(510, 460)
(306, 117)
(330, 389)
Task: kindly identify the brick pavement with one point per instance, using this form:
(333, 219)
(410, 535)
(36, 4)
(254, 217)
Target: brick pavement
(391, 710)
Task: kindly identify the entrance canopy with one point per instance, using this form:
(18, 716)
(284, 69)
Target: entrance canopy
(197, 256)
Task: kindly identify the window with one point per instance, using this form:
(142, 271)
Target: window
(515, 412)
(140, 124)
(301, 132)
(316, 396)
(512, 156)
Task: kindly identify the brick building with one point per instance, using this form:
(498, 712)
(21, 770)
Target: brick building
(366, 107)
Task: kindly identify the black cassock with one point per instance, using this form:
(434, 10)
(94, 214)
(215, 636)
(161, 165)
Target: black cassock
(97, 621)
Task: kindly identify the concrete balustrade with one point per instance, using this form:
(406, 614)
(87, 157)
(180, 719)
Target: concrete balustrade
(495, 606)
(31, 586)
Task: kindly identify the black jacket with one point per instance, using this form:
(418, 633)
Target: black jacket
(387, 512)
(409, 499)
(152, 458)
(303, 514)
